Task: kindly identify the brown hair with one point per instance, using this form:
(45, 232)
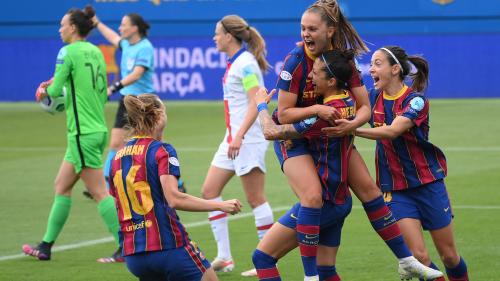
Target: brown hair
(82, 19)
(239, 29)
(421, 77)
(345, 36)
(143, 113)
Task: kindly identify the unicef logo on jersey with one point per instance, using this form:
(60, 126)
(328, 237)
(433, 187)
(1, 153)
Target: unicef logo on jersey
(130, 63)
(285, 75)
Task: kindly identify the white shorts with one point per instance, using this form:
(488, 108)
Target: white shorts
(251, 155)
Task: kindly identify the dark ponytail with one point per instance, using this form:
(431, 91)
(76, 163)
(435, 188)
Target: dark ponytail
(420, 78)
(141, 24)
(82, 19)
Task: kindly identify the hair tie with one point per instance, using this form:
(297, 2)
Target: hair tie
(248, 27)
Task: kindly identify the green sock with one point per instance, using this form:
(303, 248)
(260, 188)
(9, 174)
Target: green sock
(57, 217)
(107, 210)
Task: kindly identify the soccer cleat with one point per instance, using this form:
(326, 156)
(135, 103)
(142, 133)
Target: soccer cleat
(311, 278)
(249, 273)
(41, 251)
(222, 265)
(410, 267)
(116, 257)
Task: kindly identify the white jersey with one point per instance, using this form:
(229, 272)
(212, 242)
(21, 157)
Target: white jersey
(242, 73)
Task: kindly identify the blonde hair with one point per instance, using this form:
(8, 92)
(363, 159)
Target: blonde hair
(239, 29)
(143, 113)
(345, 36)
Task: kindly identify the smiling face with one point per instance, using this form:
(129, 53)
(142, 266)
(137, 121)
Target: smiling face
(382, 72)
(315, 33)
(322, 84)
(67, 29)
(127, 29)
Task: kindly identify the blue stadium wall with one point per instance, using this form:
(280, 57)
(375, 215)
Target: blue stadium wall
(460, 39)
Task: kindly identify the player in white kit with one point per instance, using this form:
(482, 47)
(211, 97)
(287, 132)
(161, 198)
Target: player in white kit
(242, 151)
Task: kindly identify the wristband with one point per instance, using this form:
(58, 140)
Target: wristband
(116, 86)
(261, 106)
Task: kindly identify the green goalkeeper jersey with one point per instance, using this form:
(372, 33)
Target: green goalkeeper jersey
(81, 70)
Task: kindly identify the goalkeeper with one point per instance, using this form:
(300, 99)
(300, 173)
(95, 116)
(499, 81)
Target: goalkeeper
(80, 67)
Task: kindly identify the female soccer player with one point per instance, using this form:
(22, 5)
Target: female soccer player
(137, 68)
(242, 151)
(410, 169)
(80, 67)
(324, 28)
(331, 158)
(144, 183)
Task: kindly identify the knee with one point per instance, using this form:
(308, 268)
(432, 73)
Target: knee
(421, 255)
(208, 193)
(450, 259)
(311, 200)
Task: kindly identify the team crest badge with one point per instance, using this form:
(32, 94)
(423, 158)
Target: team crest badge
(285, 75)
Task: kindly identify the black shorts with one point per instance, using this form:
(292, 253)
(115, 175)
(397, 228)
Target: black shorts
(121, 115)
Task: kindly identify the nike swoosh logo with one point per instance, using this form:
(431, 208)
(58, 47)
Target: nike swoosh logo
(293, 217)
(387, 218)
(378, 112)
(446, 209)
(311, 236)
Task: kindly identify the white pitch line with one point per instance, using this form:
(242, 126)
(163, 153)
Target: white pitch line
(213, 149)
(205, 222)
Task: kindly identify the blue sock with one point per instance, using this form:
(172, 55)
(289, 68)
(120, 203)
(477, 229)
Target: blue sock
(386, 226)
(459, 272)
(308, 220)
(107, 165)
(328, 273)
(265, 266)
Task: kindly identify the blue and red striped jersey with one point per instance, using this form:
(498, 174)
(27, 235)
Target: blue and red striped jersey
(293, 77)
(409, 160)
(147, 223)
(331, 155)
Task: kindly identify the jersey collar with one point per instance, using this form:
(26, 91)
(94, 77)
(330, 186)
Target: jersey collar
(341, 95)
(398, 95)
(240, 51)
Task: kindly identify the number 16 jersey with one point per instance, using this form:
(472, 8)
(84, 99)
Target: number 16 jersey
(147, 222)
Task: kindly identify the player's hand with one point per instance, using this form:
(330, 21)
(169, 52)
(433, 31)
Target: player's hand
(234, 147)
(261, 96)
(328, 113)
(95, 21)
(343, 127)
(41, 91)
(232, 206)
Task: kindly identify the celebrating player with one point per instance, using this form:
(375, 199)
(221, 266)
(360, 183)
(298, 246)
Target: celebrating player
(80, 67)
(324, 28)
(410, 169)
(242, 151)
(144, 182)
(331, 157)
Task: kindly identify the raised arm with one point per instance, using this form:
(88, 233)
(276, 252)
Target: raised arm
(108, 33)
(270, 130)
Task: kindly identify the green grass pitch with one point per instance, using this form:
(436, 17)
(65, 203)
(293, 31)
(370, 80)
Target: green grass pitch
(32, 144)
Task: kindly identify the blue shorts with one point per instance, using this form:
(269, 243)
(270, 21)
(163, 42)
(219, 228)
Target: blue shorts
(182, 264)
(285, 149)
(331, 222)
(428, 203)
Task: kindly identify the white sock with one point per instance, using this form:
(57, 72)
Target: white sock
(263, 219)
(218, 222)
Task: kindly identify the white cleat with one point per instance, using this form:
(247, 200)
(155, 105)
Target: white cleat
(311, 278)
(249, 273)
(410, 267)
(223, 265)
